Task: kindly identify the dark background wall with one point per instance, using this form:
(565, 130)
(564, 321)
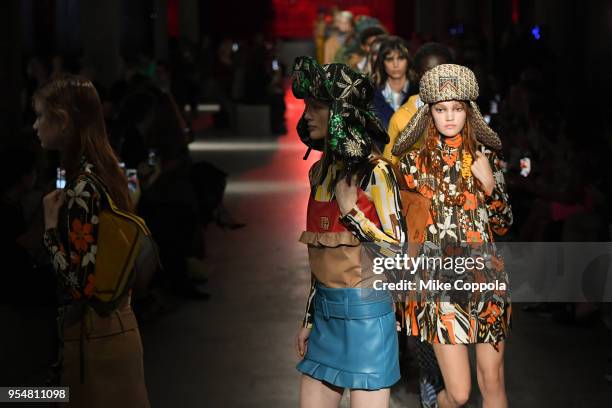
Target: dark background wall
(10, 67)
(577, 34)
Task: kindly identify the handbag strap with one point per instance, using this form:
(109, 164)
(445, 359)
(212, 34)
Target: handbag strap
(96, 180)
(102, 187)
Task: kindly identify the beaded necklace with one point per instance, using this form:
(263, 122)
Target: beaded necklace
(438, 150)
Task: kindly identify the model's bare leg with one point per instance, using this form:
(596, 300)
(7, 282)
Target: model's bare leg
(370, 399)
(316, 394)
(454, 364)
(490, 370)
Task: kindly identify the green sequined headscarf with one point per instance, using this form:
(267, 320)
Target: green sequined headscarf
(353, 125)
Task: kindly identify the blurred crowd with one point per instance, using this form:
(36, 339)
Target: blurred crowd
(151, 111)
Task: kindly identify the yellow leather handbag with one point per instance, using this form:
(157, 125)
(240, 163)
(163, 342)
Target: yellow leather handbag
(122, 238)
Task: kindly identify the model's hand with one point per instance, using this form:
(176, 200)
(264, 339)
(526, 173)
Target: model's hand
(301, 341)
(483, 173)
(52, 203)
(346, 195)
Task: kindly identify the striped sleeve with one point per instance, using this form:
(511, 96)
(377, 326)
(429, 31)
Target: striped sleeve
(384, 192)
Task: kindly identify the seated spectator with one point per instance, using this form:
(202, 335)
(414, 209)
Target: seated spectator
(168, 202)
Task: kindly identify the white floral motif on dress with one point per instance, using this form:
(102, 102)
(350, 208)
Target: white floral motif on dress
(78, 195)
(59, 262)
(447, 228)
(482, 214)
(90, 256)
(499, 178)
(71, 279)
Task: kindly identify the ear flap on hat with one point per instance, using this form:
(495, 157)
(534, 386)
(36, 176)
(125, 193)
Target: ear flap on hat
(484, 134)
(412, 132)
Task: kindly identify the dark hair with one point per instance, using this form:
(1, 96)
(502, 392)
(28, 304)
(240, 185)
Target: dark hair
(167, 131)
(85, 134)
(136, 106)
(390, 44)
(373, 31)
(432, 48)
(165, 128)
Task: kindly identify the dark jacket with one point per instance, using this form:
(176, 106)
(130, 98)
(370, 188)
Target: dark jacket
(383, 110)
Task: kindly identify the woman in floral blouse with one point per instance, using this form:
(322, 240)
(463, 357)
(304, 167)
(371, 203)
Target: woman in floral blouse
(457, 170)
(101, 356)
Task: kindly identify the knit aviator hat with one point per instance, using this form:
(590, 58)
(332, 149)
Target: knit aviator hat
(446, 82)
(352, 123)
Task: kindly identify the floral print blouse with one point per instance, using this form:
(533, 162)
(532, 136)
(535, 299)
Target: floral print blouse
(73, 244)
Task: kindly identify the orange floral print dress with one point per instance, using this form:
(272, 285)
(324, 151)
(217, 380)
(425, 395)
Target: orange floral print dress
(470, 220)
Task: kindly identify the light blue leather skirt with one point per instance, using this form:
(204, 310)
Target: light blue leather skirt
(353, 342)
